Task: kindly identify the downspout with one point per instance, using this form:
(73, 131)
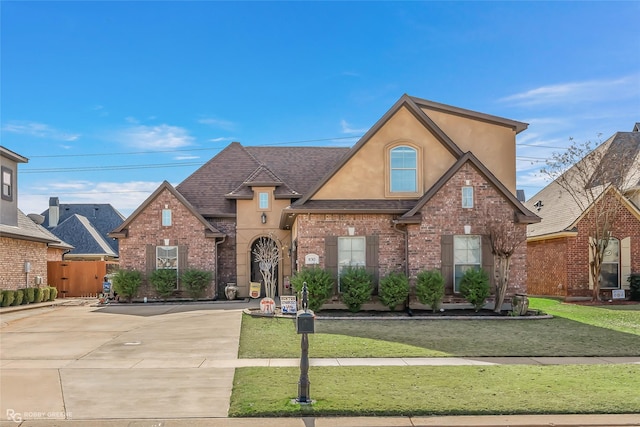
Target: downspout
(215, 295)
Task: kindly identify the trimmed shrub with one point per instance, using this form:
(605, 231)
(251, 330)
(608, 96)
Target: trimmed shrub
(53, 293)
(29, 295)
(46, 294)
(8, 297)
(196, 282)
(1, 297)
(394, 289)
(37, 294)
(356, 286)
(164, 281)
(430, 288)
(319, 285)
(18, 297)
(474, 287)
(634, 286)
(127, 282)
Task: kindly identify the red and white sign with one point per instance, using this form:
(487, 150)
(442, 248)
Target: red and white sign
(267, 306)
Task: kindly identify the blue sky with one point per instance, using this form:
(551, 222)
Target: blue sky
(108, 99)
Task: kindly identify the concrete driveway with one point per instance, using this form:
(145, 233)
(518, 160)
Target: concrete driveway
(151, 361)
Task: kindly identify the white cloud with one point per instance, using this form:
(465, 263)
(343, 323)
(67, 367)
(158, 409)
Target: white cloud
(347, 128)
(221, 139)
(577, 92)
(186, 157)
(39, 130)
(157, 137)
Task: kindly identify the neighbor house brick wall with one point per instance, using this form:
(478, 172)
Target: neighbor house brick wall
(547, 267)
(625, 225)
(186, 230)
(15, 253)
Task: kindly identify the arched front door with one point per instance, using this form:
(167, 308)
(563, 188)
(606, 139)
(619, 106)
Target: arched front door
(256, 274)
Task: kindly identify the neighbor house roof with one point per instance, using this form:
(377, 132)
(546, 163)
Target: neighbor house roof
(102, 216)
(87, 240)
(29, 230)
(557, 207)
(228, 176)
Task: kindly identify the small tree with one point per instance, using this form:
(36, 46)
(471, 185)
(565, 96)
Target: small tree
(394, 289)
(267, 255)
(430, 288)
(594, 180)
(127, 282)
(474, 287)
(164, 281)
(356, 286)
(504, 239)
(196, 282)
(319, 285)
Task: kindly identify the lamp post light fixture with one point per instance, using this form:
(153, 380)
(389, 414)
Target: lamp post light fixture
(304, 325)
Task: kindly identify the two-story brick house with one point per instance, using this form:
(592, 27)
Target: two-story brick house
(25, 246)
(416, 192)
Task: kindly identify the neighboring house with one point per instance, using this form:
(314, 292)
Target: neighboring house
(26, 245)
(86, 227)
(416, 192)
(558, 254)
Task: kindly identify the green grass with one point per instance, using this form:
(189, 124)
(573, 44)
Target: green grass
(622, 318)
(439, 390)
(574, 331)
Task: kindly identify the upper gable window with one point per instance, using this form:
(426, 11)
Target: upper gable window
(7, 184)
(166, 217)
(403, 170)
(467, 197)
(263, 200)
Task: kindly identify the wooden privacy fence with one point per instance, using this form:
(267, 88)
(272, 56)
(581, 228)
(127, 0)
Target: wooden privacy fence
(78, 278)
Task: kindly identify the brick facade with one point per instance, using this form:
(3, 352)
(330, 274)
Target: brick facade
(443, 214)
(186, 231)
(15, 253)
(561, 266)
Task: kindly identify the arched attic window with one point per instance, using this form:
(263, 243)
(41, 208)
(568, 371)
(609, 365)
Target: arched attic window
(404, 174)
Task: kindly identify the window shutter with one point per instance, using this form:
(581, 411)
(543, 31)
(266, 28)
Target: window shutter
(487, 259)
(625, 262)
(372, 259)
(151, 259)
(446, 255)
(183, 252)
(331, 259)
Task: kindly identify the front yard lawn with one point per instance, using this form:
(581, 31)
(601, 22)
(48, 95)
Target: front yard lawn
(439, 390)
(582, 331)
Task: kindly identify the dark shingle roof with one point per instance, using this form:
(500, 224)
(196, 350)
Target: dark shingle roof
(102, 216)
(29, 230)
(86, 239)
(212, 188)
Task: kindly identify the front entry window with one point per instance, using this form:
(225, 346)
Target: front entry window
(466, 256)
(351, 253)
(610, 270)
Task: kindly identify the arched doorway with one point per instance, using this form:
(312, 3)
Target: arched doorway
(256, 274)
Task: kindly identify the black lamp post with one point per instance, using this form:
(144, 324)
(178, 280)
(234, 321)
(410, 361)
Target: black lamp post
(304, 326)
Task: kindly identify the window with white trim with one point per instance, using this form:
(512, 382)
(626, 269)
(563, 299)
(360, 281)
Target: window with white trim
(403, 170)
(166, 217)
(351, 252)
(467, 255)
(167, 259)
(263, 200)
(467, 197)
(610, 268)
